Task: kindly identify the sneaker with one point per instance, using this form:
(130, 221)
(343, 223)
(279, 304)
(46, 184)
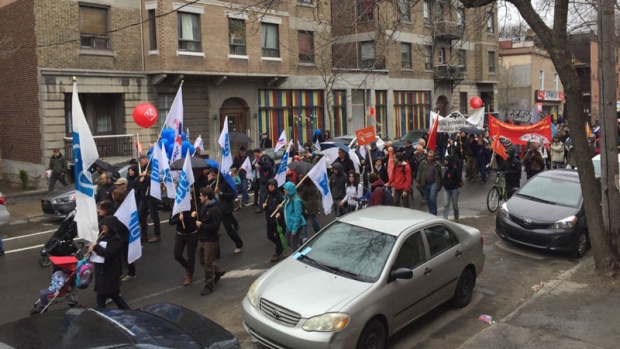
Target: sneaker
(206, 290)
(275, 258)
(237, 250)
(218, 276)
(154, 239)
(128, 277)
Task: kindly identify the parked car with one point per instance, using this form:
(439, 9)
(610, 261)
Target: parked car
(161, 325)
(413, 136)
(60, 202)
(275, 156)
(5, 216)
(351, 142)
(546, 213)
(362, 278)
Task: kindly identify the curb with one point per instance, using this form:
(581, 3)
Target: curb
(34, 219)
(25, 193)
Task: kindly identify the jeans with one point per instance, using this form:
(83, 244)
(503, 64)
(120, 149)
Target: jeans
(244, 191)
(482, 168)
(262, 194)
(43, 296)
(57, 177)
(148, 207)
(315, 223)
(191, 241)
(430, 194)
(451, 195)
(206, 254)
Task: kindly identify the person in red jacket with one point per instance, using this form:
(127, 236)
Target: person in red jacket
(401, 181)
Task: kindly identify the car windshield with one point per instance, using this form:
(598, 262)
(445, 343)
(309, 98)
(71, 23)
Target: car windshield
(552, 190)
(354, 251)
(413, 136)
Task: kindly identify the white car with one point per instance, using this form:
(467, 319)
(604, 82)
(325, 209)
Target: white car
(351, 141)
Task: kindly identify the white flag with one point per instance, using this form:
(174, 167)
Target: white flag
(476, 119)
(128, 215)
(198, 143)
(167, 176)
(224, 142)
(317, 145)
(281, 142)
(183, 200)
(175, 121)
(155, 190)
(318, 175)
(247, 166)
(84, 155)
(281, 174)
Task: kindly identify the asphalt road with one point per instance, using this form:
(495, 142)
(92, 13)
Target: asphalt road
(507, 280)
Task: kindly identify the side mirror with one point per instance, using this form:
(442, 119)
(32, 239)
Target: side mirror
(400, 273)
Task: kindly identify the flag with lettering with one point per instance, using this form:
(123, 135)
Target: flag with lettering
(127, 213)
(318, 175)
(281, 142)
(183, 200)
(224, 143)
(84, 155)
(166, 175)
(155, 190)
(281, 174)
(174, 120)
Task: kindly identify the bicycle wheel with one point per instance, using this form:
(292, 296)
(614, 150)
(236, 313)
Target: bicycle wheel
(493, 199)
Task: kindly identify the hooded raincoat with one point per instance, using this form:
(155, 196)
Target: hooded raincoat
(293, 209)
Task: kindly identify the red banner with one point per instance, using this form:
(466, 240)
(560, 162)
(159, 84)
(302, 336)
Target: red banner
(516, 133)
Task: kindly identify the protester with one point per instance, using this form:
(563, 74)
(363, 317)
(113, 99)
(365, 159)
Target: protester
(107, 273)
(186, 237)
(226, 198)
(533, 161)
(148, 204)
(58, 168)
(273, 201)
(512, 171)
(132, 183)
(208, 224)
(238, 164)
(345, 161)
(451, 183)
(401, 181)
(353, 190)
(378, 191)
(265, 170)
(120, 192)
(482, 158)
(557, 153)
(470, 157)
(374, 153)
(293, 215)
(429, 179)
(311, 199)
(107, 187)
(381, 171)
(337, 183)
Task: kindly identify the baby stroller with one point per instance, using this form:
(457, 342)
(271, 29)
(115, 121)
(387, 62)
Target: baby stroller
(67, 292)
(61, 243)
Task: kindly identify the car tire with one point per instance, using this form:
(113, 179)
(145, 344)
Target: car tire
(373, 336)
(464, 289)
(44, 261)
(579, 245)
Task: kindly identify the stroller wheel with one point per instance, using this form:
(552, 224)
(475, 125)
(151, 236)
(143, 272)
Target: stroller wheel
(44, 261)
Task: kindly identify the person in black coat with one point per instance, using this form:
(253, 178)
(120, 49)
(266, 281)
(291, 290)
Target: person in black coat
(186, 236)
(149, 206)
(265, 169)
(452, 180)
(107, 187)
(345, 161)
(381, 170)
(107, 274)
(237, 163)
(273, 199)
(226, 198)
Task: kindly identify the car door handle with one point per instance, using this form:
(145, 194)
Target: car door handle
(458, 253)
(427, 271)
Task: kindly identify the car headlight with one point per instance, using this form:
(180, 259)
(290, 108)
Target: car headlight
(567, 222)
(65, 199)
(253, 294)
(504, 210)
(331, 322)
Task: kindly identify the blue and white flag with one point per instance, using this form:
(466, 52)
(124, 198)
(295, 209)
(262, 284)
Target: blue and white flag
(281, 142)
(155, 190)
(224, 142)
(84, 155)
(183, 200)
(318, 175)
(174, 120)
(281, 174)
(127, 213)
(166, 175)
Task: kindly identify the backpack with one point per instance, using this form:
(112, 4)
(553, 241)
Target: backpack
(84, 273)
(388, 199)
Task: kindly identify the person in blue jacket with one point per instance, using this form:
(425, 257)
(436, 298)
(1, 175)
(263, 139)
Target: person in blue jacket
(293, 215)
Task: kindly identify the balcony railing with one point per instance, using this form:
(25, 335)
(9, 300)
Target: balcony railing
(446, 30)
(107, 146)
(446, 72)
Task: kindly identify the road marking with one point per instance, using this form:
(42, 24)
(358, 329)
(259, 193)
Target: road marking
(29, 235)
(24, 249)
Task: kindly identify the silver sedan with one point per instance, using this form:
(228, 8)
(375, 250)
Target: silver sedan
(363, 278)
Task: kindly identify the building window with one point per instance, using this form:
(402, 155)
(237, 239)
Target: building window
(305, 40)
(491, 23)
(339, 111)
(365, 10)
(491, 62)
(189, 32)
(304, 2)
(94, 27)
(555, 82)
(460, 18)
(405, 50)
(442, 56)
(463, 102)
(541, 80)
(152, 31)
(405, 10)
(271, 47)
(367, 54)
(236, 35)
(411, 111)
(427, 12)
(463, 60)
(381, 113)
(164, 102)
(428, 57)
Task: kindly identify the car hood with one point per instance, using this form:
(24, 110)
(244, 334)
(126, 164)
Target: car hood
(538, 211)
(58, 193)
(307, 290)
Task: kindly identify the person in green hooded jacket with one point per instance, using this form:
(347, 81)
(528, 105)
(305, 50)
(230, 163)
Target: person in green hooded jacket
(293, 215)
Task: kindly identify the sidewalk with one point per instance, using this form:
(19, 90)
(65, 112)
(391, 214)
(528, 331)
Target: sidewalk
(578, 310)
(25, 207)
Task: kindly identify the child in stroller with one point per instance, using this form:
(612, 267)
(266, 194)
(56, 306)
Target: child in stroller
(62, 285)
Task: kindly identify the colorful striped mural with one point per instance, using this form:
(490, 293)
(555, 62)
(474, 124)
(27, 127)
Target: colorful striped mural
(299, 112)
(339, 119)
(411, 111)
(381, 114)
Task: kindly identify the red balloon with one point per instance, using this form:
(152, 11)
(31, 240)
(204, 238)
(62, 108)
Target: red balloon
(475, 102)
(145, 115)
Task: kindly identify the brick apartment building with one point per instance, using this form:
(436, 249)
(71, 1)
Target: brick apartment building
(292, 66)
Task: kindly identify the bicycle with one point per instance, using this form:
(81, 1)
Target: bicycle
(498, 192)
